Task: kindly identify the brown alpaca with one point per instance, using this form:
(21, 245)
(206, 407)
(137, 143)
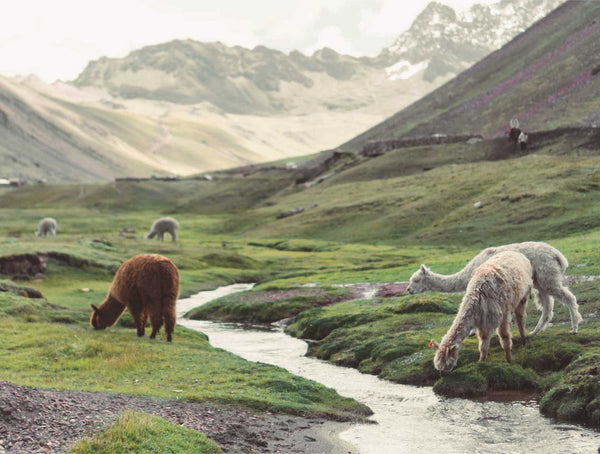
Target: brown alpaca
(147, 285)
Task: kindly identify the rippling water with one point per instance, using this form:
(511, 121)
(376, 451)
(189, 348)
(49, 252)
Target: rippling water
(409, 419)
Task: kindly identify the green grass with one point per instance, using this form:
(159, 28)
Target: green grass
(140, 433)
(376, 221)
(69, 354)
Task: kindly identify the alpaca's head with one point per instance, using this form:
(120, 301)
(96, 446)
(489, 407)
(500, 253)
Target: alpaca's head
(446, 356)
(96, 320)
(417, 282)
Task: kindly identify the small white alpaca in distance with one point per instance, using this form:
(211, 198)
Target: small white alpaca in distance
(47, 226)
(498, 288)
(549, 267)
(162, 226)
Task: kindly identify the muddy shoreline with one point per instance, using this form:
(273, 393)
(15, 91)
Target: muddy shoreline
(34, 420)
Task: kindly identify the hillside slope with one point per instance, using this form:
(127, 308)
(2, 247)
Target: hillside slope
(547, 77)
(59, 133)
(407, 196)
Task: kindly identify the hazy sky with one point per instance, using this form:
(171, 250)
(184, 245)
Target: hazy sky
(56, 38)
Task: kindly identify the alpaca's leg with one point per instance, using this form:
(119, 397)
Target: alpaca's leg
(521, 316)
(568, 299)
(141, 324)
(170, 319)
(547, 305)
(140, 319)
(484, 343)
(156, 320)
(504, 334)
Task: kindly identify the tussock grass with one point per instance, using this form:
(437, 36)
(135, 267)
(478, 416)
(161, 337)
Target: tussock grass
(140, 433)
(267, 306)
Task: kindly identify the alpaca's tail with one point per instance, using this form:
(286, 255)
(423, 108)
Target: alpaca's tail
(562, 261)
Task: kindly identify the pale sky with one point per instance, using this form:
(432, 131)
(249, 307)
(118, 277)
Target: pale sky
(55, 39)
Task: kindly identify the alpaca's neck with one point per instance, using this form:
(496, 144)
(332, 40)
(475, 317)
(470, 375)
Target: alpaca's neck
(464, 321)
(111, 310)
(450, 283)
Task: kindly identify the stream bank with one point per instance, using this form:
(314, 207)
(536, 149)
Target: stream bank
(408, 418)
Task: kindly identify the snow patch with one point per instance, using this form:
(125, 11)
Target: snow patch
(404, 69)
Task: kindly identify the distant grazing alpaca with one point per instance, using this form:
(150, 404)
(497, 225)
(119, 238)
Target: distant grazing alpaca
(147, 285)
(549, 267)
(498, 287)
(47, 226)
(163, 225)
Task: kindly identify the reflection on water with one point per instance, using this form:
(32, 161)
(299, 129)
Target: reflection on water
(409, 418)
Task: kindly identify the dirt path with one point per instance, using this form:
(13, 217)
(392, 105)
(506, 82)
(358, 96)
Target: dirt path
(47, 421)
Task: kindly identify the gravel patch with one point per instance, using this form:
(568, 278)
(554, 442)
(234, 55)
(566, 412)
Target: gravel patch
(36, 420)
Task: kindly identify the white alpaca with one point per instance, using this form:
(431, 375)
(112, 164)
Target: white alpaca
(549, 267)
(498, 288)
(47, 226)
(162, 226)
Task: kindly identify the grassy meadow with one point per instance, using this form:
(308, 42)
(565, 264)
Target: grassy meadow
(376, 220)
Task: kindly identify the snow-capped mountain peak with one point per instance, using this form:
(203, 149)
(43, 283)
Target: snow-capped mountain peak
(452, 41)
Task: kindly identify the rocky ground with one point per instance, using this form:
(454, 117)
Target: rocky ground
(47, 421)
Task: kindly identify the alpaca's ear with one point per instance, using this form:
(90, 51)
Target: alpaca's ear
(424, 269)
(94, 307)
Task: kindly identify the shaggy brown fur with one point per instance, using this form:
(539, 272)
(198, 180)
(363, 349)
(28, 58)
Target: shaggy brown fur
(147, 285)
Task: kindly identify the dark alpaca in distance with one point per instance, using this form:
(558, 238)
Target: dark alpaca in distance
(147, 285)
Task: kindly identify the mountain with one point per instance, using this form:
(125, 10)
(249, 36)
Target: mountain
(439, 44)
(547, 77)
(441, 41)
(185, 107)
(249, 81)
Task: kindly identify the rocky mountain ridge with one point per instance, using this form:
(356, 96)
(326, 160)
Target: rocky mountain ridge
(439, 44)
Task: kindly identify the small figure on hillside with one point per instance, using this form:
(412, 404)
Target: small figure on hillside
(514, 132)
(523, 139)
(162, 226)
(47, 226)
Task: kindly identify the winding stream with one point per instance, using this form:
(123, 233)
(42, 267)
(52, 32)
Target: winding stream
(409, 419)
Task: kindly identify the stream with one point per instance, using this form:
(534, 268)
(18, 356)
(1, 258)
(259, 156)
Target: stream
(409, 418)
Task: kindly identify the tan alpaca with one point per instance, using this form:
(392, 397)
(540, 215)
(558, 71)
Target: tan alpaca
(498, 288)
(549, 267)
(147, 285)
